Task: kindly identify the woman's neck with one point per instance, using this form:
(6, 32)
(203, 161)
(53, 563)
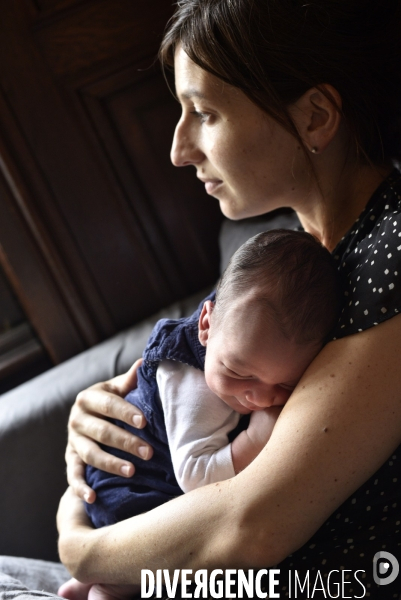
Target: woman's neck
(332, 210)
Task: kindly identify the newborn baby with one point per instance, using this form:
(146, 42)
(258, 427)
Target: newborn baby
(242, 353)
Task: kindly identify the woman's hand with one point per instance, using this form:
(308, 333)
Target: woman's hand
(88, 427)
(74, 527)
(71, 512)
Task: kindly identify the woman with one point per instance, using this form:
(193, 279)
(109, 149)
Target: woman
(284, 103)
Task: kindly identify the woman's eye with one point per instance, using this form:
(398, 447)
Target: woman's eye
(200, 115)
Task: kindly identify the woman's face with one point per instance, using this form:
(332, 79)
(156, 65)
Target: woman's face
(244, 157)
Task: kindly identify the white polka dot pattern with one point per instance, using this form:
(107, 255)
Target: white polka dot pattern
(369, 258)
(369, 521)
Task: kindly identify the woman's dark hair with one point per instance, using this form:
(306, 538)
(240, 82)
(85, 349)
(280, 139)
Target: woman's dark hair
(293, 277)
(275, 50)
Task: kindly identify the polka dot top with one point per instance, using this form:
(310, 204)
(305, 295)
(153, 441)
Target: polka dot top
(369, 257)
(337, 562)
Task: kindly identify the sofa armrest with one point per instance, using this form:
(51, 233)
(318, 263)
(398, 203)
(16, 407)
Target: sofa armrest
(33, 434)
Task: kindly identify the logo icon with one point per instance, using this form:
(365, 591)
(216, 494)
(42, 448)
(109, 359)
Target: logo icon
(385, 568)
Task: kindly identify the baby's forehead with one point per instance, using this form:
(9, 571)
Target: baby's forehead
(251, 322)
(250, 309)
(247, 325)
(263, 353)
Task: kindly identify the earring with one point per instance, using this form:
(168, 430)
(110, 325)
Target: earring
(314, 150)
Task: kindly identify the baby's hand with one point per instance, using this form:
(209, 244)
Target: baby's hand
(247, 445)
(261, 425)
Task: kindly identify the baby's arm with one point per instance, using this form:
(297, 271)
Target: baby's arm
(247, 445)
(198, 424)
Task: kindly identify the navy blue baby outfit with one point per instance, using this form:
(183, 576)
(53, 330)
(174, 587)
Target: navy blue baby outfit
(154, 482)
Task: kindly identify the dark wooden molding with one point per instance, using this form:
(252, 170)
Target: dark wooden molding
(89, 40)
(21, 189)
(18, 349)
(98, 230)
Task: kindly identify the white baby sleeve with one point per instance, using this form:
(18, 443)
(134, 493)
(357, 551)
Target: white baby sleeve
(197, 424)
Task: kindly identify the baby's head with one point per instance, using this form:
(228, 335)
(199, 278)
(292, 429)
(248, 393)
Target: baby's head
(276, 304)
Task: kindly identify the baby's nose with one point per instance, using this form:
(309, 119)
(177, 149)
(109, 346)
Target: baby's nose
(266, 396)
(262, 398)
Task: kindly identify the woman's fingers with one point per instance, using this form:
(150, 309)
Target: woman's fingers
(89, 426)
(86, 428)
(71, 512)
(122, 384)
(106, 399)
(82, 449)
(76, 476)
(101, 400)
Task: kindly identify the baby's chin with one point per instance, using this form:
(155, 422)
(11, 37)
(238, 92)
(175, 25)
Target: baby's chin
(242, 410)
(237, 406)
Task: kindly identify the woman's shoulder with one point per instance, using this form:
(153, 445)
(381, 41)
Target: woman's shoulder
(376, 220)
(369, 258)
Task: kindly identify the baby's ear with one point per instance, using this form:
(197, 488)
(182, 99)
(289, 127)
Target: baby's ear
(204, 322)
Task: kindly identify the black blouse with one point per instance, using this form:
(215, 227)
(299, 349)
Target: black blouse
(337, 562)
(369, 257)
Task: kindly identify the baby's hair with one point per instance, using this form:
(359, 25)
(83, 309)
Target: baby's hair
(293, 275)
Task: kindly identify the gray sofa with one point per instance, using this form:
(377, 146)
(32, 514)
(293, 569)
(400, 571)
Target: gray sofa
(33, 417)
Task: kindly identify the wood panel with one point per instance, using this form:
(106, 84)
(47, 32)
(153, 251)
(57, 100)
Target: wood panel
(11, 314)
(21, 354)
(32, 281)
(49, 6)
(99, 230)
(100, 32)
(134, 115)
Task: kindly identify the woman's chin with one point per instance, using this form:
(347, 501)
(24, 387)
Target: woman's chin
(231, 210)
(235, 211)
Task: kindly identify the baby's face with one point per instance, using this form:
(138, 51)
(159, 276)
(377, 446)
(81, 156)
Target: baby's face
(249, 364)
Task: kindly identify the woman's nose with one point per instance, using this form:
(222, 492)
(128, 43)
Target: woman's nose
(185, 150)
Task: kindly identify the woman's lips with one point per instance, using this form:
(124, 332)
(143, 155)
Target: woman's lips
(211, 185)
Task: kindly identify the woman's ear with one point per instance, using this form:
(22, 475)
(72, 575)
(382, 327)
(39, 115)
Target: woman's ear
(204, 322)
(317, 116)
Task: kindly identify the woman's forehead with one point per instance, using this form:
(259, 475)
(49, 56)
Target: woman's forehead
(194, 83)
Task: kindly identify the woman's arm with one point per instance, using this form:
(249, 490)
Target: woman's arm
(87, 424)
(340, 424)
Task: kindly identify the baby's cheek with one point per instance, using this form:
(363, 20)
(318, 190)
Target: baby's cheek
(212, 381)
(282, 397)
(213, 375)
